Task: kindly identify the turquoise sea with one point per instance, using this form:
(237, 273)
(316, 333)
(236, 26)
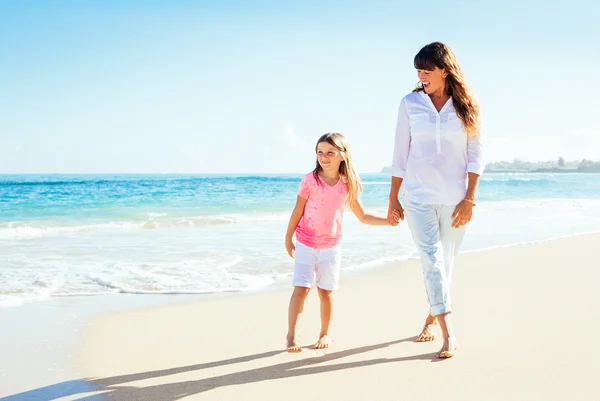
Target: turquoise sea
(89, 235)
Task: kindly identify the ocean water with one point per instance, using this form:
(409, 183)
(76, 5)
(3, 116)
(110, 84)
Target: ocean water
(74, 235)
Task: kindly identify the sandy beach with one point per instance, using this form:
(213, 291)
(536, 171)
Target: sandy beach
(157, 157)
(526, 318)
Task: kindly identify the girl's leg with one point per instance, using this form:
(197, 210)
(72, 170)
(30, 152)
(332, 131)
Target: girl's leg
(294, 311)
(305, 260)
(326, 313)
(328, 273)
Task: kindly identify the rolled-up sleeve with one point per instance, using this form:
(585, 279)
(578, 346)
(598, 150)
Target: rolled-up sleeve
(475, 154)
(401, 143)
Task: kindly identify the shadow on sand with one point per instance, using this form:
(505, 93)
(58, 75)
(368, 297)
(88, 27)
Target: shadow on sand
(115, 388)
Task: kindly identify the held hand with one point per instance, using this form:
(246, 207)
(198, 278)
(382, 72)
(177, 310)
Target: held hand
(396, 217)
(462, 213)
(290, 248)
(395, 212)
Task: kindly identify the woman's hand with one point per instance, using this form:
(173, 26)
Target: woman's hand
(463, 213)
(395, 212)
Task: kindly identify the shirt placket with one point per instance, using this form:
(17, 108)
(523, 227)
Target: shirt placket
(438, 135)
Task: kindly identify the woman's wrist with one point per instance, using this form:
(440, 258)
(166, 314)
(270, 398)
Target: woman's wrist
(470, 199)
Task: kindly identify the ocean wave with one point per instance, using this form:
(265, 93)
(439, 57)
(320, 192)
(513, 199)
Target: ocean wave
(540, 203)
(237, 283)
(142, 180)
(517, 180)
(123, 289)
(44, 228)
(159, 220)
(54, 183)
(31, 230)
(123, 279)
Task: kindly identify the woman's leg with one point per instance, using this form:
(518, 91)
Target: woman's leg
(449, 346)
(438, 243)
(424, 225)
(451, 239)
(428, 331)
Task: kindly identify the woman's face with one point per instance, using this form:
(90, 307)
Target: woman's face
(433, 81)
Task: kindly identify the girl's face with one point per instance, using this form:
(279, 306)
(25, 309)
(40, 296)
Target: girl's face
(433, 81)
(329, 157)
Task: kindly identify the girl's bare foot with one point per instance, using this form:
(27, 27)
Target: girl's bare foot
(322, 343)
(427, 332)
(292, 346)
(448, 348)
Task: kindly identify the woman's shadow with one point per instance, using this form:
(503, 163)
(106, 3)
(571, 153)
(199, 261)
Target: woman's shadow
(113, 389)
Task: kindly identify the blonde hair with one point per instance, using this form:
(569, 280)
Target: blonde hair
(346, 166)
(439, 55)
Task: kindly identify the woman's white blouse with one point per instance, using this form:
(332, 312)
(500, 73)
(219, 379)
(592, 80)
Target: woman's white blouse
(432, 153)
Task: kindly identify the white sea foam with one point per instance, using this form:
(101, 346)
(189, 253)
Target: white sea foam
(33, 230)
(18, 230)
(236, 283)
(243, 253)
(380, 262)
(11, 301)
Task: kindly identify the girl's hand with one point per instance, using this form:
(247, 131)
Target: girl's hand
(396, 217)
(395, 207)
(290, 248)
(462, 213)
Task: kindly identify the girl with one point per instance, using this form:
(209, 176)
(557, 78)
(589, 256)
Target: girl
(317, 222)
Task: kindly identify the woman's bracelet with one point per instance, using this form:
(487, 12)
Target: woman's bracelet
(472, 200)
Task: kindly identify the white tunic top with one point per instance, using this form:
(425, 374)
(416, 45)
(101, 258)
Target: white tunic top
(432, 152)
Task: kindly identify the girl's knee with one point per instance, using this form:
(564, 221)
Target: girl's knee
(301, 291)
(324, 293)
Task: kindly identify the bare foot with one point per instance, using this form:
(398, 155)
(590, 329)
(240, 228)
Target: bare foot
(427, 332)
(322, 343)
(292, 346)
(448, 348)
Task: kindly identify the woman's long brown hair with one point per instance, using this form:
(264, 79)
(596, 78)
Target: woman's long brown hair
(439, 55)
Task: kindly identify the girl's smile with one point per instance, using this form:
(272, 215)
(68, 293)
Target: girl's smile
(329, 157)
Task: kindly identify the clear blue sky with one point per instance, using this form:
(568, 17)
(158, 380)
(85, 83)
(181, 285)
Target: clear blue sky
(248, 86)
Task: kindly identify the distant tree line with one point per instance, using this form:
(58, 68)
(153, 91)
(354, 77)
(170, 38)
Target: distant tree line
(588, 166)
(560, 166)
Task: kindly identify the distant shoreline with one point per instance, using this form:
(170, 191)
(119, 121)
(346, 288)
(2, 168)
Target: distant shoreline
(541, 170)
(560, 166)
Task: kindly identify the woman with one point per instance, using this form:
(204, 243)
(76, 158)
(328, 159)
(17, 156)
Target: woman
(437, 161)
